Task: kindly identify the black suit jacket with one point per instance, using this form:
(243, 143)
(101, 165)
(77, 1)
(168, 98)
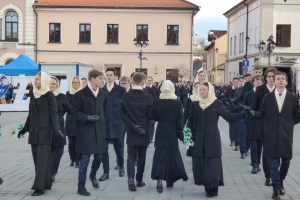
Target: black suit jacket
(169, 127)
(70, 118)
(152, 92)
(251, 127)
(279, 125)
(246, 88)
(157, 92)
(137, 109)
(42, 119)
(90, 137)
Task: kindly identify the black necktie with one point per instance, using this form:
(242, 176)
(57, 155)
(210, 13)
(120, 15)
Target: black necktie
(280, 94)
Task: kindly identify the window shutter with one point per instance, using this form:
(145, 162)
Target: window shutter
(0, 29)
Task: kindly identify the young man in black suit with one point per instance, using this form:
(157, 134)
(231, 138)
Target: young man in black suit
(89, 110)
(136, 111)
(114, 132)
(281, 112)
(261, 91)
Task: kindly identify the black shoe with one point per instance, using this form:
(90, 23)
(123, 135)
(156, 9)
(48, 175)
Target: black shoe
(254, 170)
(77, 164)
(140, 184)
(37, 192)
(247, 153)
(275, 195)
(53, 178)
(212, 194)
(71, 164)
(104, 177)
(268, 182)
(236, 148)
(281, 191)
(159, 186)
(242, 156)
(121, 172)
(117, 167)
(231, 144)
(169, 185)
(131, 185)
(1, 181)
(258, 169)
(83, 192)
(94, 182)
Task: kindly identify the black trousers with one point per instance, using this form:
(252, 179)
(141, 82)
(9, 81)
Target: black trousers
(234, 132)
(255, 152)
(56, 154)
(151, 127)
(279, 171)
(74, 156)
(266, 161)
(42, 163)
(141, 154)
(117, 142)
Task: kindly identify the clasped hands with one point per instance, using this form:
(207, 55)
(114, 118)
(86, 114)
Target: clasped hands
(247, 110)
(139, 129)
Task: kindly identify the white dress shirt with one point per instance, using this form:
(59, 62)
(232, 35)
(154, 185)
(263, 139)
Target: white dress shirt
(270, 88)
(109, 88)
(280, 98)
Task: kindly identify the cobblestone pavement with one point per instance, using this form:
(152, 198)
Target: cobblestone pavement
(17, 170)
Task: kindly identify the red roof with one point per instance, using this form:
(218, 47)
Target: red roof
(181, 4)
(218, 33)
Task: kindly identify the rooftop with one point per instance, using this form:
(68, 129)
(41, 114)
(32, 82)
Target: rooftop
(218, 33)
(168, 4)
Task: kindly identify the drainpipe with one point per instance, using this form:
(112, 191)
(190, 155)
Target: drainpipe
(192, 41)
(247, 21)
(36, 33)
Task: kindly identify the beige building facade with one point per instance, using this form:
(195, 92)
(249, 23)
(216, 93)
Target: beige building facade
(103, 36)
(16, 30)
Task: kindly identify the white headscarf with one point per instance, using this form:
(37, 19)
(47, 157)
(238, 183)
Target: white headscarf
(56, 91)
(167, 91)
(45, 84)
(204, 103)
(195, 96)
(72, 90)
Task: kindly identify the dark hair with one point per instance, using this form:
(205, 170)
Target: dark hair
(272, 69)
(94, 73)
(246, 75)
(257, 67)
(206, 84)
(281, 73)
(150, 77)
(257, 77)
(138, 78)
(132, 74)
(197, 83)
(241, 78)
(235, 78)
(111, 70)
(201, 71)
(84, 79)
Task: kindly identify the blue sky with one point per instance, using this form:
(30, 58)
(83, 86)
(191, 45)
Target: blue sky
(211, 17)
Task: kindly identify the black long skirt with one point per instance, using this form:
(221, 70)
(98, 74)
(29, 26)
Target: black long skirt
(168, 166)
(42, 162)
(208, 172)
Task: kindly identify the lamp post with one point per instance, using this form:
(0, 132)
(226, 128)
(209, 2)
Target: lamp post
(215, 57)
(270, 47)
(142, 43)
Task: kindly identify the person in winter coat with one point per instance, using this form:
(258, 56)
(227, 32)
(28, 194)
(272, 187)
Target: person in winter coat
(76, 85)
(167, 163)
(89, 109)
(41, 122)
(281, 112)
(58, 143)
(203, 122)
(193, 98)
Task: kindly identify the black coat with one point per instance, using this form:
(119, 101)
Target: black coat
(137, 109)
(260, 92)
(152, 92)
(169, 128)
(63, 106)
(251, 128)
(279, 125)
(42, 119)
(90, 137)
(113, 122)
(204, 127)
(184, 91)
(246, 88)
(186, 111)
(229, 92)
(70, 119)
(157, 91)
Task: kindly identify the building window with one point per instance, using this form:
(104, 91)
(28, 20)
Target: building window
(234, 46)
(240, 43)
(142, 70)
(54, 32)
(112, 33)
(141, 32)
(9, 61)
(230, 46)
(172, 34)
(172, 75)
(85, 33)
(11, 26)
(243, 39)
(283, 35)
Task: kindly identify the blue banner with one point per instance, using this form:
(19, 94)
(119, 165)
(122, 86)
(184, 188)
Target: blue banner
(4, 84)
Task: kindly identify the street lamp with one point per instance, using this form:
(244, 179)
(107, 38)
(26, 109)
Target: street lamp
(216, 51)
(270, 47)
(141, 44)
